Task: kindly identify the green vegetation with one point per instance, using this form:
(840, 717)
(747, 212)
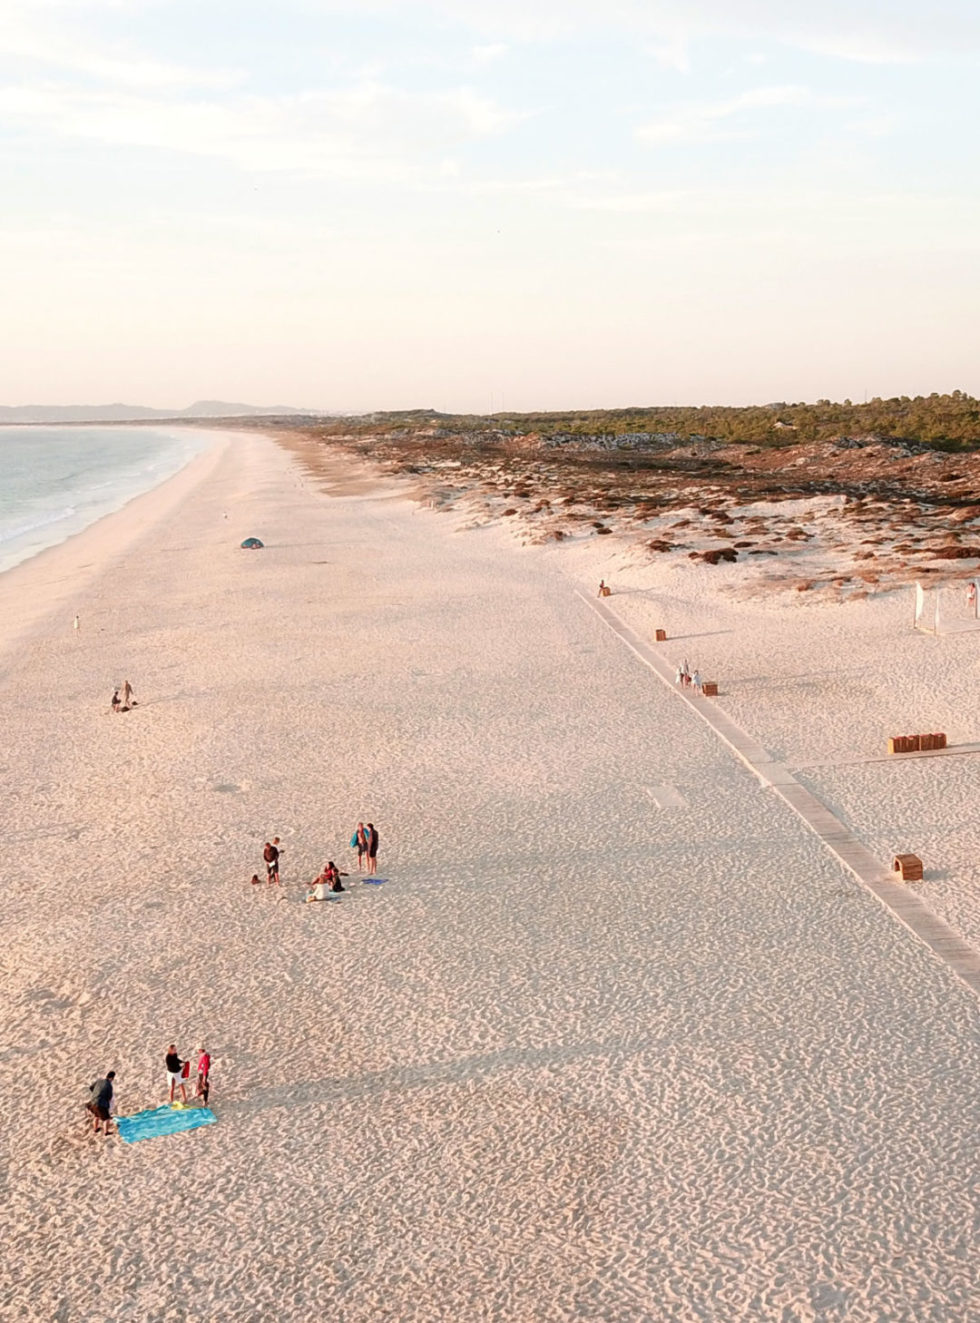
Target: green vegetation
(943, 422)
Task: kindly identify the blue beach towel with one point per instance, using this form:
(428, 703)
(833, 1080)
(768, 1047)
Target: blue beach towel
(374, 881)
(164, 1120)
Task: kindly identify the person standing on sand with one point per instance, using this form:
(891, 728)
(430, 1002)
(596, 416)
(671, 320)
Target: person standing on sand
(115, 700)
(203, 1074)
(373, 840)
(359, 842)
(127, 694)
(270, 853)
(76, 624)
(100, 1101)
(175, 1076)
(698, 684)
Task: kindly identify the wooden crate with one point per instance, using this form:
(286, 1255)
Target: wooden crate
(710, 688)
(605, 591)
(661, 636)
(908, 867)
(914, 744)
(940, 741)
(898, 744)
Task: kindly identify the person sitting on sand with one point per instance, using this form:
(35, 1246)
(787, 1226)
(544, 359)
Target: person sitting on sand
(332, 876)
(254, 879)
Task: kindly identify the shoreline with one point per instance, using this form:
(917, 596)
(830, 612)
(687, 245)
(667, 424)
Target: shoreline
(34, 588)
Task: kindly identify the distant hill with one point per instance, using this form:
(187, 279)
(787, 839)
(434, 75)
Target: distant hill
(134, 413)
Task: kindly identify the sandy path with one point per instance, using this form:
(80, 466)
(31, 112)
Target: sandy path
(580, 1057)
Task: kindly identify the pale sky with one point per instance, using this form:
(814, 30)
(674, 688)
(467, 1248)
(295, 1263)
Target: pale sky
(487, 204)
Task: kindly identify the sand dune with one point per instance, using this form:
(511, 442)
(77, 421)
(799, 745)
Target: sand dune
(581, 1056)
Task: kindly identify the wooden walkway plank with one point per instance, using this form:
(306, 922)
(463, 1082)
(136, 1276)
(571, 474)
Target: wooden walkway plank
(945, 943)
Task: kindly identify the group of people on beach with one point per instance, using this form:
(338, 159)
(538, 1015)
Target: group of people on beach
(101, 1104)
(179, 1074)
(123, 697)
(365, 841)
(685, 678)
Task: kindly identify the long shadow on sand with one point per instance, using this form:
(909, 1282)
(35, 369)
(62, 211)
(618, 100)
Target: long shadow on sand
(398, 1079)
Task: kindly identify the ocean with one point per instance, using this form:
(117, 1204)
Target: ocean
(55, 481)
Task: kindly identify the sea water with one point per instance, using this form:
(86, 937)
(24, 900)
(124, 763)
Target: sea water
(55, 481)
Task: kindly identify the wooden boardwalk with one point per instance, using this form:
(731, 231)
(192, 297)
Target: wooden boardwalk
(941, 939)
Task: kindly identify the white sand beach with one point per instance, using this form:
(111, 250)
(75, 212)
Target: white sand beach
(619, 1038)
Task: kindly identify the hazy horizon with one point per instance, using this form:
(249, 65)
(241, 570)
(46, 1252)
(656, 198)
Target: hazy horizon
(558, 204)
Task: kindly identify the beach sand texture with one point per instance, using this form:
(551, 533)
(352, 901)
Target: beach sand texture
(618, 1039)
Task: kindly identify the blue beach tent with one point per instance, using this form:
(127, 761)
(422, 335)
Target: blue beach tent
(252, 543)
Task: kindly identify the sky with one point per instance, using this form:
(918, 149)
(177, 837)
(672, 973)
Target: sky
(487, 205)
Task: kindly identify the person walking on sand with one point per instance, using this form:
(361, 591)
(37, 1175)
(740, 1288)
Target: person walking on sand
(175, 1076)
(373, 840)
(100, 1101)
(698, 684)
(127, 695)
(685, 674)
(270, 853)
(359, 842)
(203, 1074)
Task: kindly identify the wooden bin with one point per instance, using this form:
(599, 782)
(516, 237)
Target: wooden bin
(710, 688)
(908, 867)
(661, 636)
(605, 591)
(939, 741)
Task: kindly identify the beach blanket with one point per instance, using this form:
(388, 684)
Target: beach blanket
(375, 881)
(164, 1120)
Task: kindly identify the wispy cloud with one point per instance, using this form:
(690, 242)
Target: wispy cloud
(40, 37)
(705, 121)
(857, 30)
(364, 132)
